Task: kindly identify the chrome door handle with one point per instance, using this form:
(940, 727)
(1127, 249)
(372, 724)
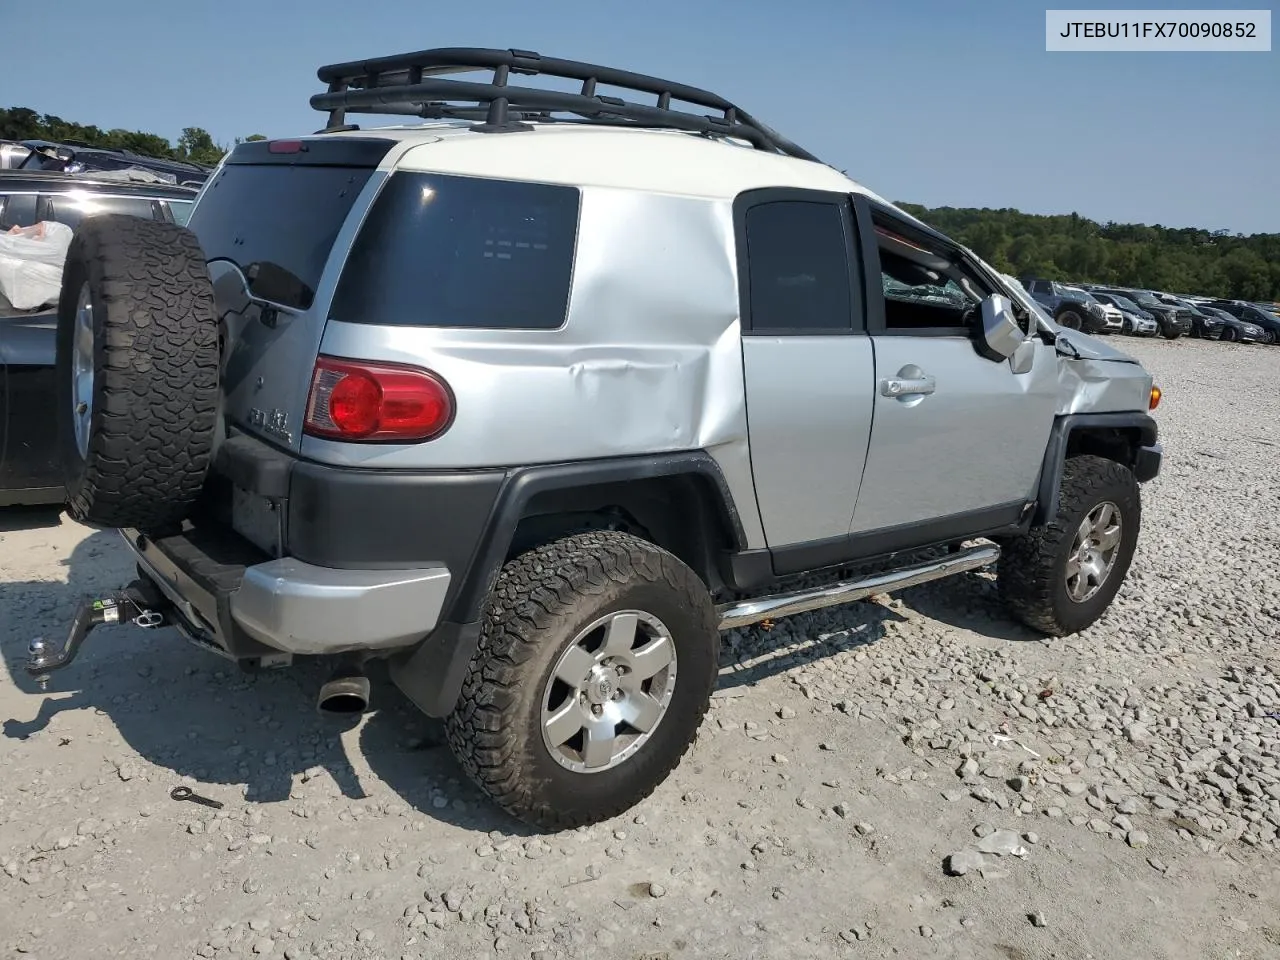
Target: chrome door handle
(902, 387)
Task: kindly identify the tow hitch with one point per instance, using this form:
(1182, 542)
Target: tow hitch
(137, 604)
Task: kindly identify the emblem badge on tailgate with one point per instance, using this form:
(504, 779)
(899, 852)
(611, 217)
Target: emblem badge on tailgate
(276, 423)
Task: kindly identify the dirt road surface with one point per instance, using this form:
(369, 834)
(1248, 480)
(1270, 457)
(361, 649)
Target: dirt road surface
(856, 765)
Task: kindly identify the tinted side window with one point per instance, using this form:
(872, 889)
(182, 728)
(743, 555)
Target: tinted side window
(71, 210)
(451, 251)
(799, 266)
(17, 210)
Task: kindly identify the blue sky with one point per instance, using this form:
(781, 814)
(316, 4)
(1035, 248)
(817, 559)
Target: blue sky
(940, 103)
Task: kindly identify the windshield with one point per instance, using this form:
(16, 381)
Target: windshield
(1124, 303)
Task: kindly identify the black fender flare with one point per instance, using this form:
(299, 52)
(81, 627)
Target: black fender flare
(524, 483)
(1145, 462)
(431, 673)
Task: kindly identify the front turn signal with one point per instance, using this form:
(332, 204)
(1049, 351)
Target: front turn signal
(1155, 397)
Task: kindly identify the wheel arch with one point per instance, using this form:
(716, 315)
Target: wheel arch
(1122, 437)
(680, 502)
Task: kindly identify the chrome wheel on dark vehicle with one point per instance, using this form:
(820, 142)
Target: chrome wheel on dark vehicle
(82, 364)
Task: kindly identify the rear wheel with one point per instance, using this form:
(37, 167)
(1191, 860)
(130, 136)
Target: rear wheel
(1061, 578)
(597, 658)
(1228, 334)
(1268, 336)
(136, 372)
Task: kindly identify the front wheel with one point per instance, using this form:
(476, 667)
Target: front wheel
(1170, 332)
(598, 654)
(1061, 578)
(1268, 336)
(1071, 320)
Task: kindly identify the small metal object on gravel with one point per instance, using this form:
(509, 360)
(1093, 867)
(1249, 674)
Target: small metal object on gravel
(185, 793)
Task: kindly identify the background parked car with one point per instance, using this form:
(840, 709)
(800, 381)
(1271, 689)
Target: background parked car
(1137, 322)
(77, 158)
(1269, 322)
(1073, 307)
(1233, 329)
(1174, 321)
(29, 462)
(12, 153)
(1204, 325)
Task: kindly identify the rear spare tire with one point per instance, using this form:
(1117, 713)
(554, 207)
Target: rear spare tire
(137, 372)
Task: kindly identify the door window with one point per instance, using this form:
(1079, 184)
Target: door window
(931, 289)
(799, 268)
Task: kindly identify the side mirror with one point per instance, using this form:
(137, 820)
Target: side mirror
(1024, 357)
(1000, 331)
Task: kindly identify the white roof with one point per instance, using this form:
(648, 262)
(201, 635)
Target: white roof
(656, 161)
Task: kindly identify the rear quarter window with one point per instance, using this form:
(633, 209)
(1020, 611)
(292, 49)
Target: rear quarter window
(71, 209)
(448, 251)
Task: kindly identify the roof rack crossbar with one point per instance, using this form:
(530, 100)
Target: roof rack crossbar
(395, 84)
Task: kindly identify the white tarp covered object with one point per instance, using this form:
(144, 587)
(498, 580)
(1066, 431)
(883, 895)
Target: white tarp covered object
(31, 260)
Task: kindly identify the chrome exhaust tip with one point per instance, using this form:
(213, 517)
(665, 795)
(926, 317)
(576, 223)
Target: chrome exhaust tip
(345, 695)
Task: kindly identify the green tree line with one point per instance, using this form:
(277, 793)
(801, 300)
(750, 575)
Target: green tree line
(1066, 247)
(1072, 248)
(195, 144)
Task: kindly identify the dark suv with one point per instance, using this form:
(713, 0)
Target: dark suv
(1074, 307)
(28, 431)
(1174, 321)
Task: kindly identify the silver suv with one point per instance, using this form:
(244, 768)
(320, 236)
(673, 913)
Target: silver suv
(534, 400)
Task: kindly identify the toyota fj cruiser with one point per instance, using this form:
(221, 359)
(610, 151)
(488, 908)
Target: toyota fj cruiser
(535, 399)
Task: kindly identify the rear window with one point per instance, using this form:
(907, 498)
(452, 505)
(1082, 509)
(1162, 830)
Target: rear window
(276, 213)
(450, 251)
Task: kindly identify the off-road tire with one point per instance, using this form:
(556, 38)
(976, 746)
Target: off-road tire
(155, 363)
(1170, 332)
(540, 602)
(1031, 574)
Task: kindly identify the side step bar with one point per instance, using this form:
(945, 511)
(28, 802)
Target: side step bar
(746, 612)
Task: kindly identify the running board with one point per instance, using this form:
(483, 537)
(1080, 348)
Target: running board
(747, 612)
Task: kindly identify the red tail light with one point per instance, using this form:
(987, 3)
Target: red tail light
(285, 146)
(355, 400)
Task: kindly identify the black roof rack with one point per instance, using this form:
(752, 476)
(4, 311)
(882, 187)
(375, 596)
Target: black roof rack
(410, 84)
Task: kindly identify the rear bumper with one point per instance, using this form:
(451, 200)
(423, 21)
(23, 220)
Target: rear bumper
(285, 605)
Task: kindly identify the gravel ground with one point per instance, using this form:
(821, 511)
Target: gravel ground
(913, 776)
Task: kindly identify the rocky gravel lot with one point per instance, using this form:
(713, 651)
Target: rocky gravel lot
(912, 776)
